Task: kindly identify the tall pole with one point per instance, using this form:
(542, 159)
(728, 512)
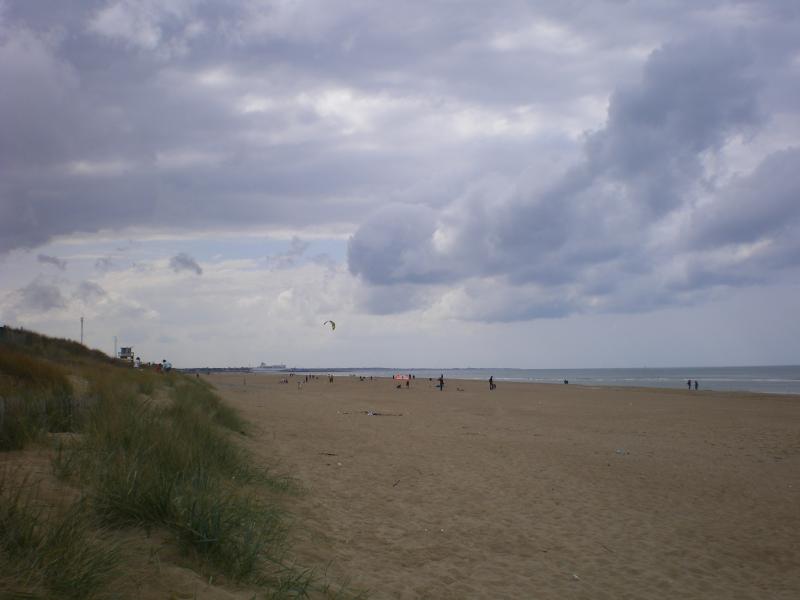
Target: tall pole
(81, 330)
(115, 346)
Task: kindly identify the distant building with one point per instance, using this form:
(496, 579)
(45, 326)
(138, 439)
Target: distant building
(126, 353)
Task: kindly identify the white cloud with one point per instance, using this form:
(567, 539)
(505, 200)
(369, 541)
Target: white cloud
(91, 168)
(542, 35)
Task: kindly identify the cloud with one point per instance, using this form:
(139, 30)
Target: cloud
(147, 26)
(499, 162)
(605, 234)
(38, 297)
(52, 260)
(692, 97)
(104, 263)
(197, 116)
(290, 257)
(89, 291)
(762, 206)
(395, 245)
(184, 262)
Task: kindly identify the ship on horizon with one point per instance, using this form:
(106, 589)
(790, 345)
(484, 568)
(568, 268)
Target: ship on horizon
(263, 367)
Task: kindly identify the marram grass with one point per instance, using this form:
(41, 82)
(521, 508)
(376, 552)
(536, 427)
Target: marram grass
(175, 466)
(52, 551)
(36, 397)
(151, 450)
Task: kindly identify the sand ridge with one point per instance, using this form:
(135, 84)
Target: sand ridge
(535, 491)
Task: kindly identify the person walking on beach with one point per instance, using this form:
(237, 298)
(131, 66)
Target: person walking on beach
(491, 382)
(441, 382)
(689, 384)
(696, 385)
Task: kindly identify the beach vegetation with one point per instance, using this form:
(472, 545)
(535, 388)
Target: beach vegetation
(50, 550)
(155, 451)
(36, 397)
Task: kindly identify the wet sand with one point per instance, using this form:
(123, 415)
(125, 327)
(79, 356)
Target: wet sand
(535, 491)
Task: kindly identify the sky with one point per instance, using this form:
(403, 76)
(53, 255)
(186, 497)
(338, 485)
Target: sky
(456, 183)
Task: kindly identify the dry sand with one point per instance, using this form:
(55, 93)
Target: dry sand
(535, 491)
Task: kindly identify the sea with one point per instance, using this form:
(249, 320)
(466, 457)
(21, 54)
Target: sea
(763, 379)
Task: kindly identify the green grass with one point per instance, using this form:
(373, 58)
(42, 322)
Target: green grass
(177, 465)
(55, 349)
(157, 451)
(196, 394)
(36, 396)
(53, 552)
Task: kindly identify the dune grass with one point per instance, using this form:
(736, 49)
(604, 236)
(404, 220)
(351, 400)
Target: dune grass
(157, 451)
(54, 551)
(64, 351)
(36, 396)
(175, 466)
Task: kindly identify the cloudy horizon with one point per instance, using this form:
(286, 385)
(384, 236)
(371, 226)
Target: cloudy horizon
(514, 184)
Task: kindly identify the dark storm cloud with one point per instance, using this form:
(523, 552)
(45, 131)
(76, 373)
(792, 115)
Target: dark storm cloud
(184, 262)
(52, 260)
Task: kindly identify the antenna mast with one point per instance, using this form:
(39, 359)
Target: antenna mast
(81, 330)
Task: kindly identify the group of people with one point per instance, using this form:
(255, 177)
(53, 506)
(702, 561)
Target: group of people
(163, 367)
(689, 384)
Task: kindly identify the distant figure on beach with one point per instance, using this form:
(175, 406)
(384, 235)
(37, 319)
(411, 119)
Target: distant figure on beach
(441, 382)
(566, 381)
(137, 364)
(696, 385)
(689, 384)
(491, 382)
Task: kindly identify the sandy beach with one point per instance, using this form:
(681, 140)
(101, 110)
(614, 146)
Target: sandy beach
(534, 491)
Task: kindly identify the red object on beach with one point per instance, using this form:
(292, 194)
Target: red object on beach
(401, 377)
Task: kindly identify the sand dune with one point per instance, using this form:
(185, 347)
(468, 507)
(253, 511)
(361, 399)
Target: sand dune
(536, 491)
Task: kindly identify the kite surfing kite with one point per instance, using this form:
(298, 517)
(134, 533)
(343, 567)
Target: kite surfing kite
(333, 325)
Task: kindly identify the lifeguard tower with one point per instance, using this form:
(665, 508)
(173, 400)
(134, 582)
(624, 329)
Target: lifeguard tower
(126, 353)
